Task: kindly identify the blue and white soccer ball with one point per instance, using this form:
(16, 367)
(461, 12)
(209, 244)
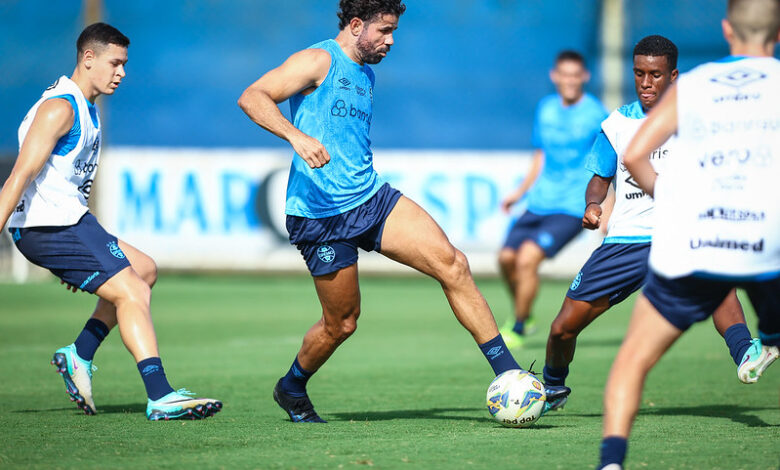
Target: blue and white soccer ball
(516, 398)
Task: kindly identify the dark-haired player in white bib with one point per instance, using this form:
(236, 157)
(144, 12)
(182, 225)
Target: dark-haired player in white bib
(618, 267)
(717, 217)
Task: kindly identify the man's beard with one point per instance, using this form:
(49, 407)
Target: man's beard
(368, 54)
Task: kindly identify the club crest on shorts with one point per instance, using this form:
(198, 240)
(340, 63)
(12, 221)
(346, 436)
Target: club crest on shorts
(115, 250)
(576, 282)
(326, 253)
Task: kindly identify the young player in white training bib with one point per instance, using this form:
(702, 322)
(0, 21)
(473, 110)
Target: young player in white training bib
(45, 202)
(717, 214)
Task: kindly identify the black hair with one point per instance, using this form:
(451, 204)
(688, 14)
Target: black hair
(570, 55)
(367, 9)
(656, 46)
(102, 34)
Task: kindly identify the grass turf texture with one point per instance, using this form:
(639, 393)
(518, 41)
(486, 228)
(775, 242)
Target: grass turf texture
(406, 391)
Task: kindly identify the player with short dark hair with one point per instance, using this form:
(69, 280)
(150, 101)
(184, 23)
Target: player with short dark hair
(717, 217)
(618, 267)
(336, 202)
(45, 202)
(565, 126)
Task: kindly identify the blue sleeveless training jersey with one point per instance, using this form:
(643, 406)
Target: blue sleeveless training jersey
(338, 114)
(565, 134)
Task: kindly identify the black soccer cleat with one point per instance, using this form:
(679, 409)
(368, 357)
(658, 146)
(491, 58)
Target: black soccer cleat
(557, 396)
(300, 409)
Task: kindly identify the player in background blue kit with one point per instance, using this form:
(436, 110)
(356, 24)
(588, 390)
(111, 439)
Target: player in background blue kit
(565, 126)
(717, 217)
(618, 267)
(45, 202)
(336, 202)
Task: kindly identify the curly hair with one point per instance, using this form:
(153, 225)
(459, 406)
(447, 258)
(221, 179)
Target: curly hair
(657, 46)
(367, 9)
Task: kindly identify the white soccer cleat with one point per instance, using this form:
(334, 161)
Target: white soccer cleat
(77, 374)
(755, 361)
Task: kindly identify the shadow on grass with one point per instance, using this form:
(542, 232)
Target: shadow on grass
(106, 409)
(736, 413)
(433, 413)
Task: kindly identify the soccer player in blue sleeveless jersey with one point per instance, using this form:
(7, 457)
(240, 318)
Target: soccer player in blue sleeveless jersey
(45, 199)
(619, 266)
(706, 199)
(565, 127)
(336, 202)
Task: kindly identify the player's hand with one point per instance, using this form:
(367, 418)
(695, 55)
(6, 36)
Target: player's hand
(592, 218)
(311, 150)
(69, 287)
(510, 201)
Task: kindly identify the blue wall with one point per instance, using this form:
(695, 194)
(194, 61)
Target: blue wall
(463, 73)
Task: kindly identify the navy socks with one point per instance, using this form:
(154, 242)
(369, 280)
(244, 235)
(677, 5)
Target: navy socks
(294, 383)
(613, 450)
(519, 327)
(555, 376)
(498, 355)
(738, 340)
(153, 375)
(94, 332)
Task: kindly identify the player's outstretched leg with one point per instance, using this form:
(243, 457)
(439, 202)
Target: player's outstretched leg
(131, 296)
(747, 353)
(573, 317)
(413, 238)
(74, 362)
(339, 295)
(648, 337)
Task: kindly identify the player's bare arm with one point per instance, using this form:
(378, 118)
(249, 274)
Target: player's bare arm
(660, 125)
(52, 121)
(301, 72)
(597, 190)
(528, 181)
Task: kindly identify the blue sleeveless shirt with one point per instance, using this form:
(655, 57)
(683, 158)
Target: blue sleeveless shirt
(338, 114)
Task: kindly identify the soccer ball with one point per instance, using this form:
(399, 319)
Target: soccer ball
(516, 398)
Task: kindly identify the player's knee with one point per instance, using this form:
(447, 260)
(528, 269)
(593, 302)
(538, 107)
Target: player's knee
(528, 258)
(456, 268)
(149, 272)
(340, 330)
(507, 259)
(135, 291)
(561, 330)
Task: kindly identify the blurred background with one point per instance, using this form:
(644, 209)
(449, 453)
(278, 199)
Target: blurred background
(188, 178)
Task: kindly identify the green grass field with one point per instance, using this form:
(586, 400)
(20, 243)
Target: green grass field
(407, 391)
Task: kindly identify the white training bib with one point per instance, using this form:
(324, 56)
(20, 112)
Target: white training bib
(58, 195)
(718, 199)
(632, 215)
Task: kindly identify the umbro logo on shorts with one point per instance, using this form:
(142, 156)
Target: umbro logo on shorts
(326, 253)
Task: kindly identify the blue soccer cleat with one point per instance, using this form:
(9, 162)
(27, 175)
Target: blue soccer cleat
(300, 409)
(755, 361)
(77, 374)
(181, 405)
(557, 396)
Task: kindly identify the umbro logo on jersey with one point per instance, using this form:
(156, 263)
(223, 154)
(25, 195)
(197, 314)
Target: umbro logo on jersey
(739, 77)
(344, 83)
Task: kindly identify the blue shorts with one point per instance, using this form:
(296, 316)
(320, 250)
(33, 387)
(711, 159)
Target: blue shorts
(687, 300)
(550, 232)
(330, 244)
(615, 270)
(83, 255)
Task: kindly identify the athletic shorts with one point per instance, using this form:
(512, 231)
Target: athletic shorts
(550, 232)
(615, 270)
(687, 300)
(330, 244)
(83, 255)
